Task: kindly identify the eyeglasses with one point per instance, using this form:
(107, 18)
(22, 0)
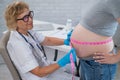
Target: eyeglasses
(26, 17)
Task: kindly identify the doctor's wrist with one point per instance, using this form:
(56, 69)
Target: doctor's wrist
(67, 42)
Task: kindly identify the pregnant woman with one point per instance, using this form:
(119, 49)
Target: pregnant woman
(94, 35)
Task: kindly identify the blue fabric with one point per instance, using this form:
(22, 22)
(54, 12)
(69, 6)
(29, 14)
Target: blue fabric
(66, 59)
(90, 70)
(67, 41)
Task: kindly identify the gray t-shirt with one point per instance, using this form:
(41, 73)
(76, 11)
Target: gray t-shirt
(101, 17)
(116, 37)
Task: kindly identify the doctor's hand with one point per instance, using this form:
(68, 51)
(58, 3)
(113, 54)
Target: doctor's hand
(106, 58)
(67, 41)
(66, 59)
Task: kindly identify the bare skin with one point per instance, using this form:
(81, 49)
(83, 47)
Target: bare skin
(107, 58)
(81, 34)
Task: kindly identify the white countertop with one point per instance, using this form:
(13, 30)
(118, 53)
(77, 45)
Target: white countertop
(56, 32)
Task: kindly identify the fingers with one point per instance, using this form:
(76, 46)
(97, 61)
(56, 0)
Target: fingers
(98, 56)
(102, 61)
(105, 58)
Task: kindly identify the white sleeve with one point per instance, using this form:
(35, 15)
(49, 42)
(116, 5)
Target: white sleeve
(38, 36)
(21, 55)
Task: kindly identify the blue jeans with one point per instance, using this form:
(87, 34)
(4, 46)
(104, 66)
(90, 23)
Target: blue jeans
(90, 70)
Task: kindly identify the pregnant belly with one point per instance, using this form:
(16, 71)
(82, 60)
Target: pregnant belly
(87, 43)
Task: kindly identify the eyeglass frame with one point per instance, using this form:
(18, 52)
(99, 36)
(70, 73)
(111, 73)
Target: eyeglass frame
(28, 15)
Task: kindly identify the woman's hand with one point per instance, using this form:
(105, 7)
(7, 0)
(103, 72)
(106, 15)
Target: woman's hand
(106, 58)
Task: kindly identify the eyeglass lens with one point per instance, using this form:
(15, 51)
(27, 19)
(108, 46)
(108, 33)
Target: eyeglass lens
(26, 17)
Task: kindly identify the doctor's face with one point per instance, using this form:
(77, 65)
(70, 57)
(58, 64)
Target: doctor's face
(25, 20)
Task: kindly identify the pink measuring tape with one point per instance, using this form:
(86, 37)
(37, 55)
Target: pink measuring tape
(72, 64)
(91, 43)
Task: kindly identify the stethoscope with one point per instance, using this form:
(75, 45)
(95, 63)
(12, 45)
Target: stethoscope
(31, 44)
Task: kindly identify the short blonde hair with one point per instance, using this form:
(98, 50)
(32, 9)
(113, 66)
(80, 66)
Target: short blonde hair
(12, 11)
